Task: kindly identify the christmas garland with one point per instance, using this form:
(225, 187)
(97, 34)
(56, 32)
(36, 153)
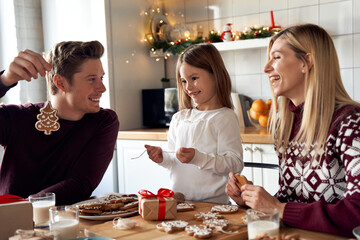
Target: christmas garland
(178, 47)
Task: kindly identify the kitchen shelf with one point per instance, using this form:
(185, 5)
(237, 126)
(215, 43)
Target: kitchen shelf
(227, 46)
(242, 44)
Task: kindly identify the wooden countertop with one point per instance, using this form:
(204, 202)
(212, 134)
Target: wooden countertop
(248, 135)
(147, 229)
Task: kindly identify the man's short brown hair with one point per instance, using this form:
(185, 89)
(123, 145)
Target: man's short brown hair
(67, 58)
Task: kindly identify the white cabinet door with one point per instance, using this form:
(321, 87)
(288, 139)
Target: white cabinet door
(140, 173)
(261, 153)
(265, 153)
(247, 157)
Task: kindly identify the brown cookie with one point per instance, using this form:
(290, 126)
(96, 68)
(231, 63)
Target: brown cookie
(113, 212)
(199, 231)
(113, 206)
(210, 215)
(90, 211)
(91, 205)
(225, 208)
(218, 224)
(241, 180)
(183, 207)
(171, 226)
(130, 205)
(180, 197)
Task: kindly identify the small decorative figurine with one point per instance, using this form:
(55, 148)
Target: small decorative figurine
(226, 35)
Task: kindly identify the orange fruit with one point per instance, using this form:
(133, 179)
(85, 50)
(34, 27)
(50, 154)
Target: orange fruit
(263, 120)
(268, 104)
(254, 114)
(259, 106)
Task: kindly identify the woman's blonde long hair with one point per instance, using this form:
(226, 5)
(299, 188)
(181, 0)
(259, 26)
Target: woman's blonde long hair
(207, 57)
(324, 90)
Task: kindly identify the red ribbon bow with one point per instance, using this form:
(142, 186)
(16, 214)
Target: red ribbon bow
(8, 198)
(162, 192)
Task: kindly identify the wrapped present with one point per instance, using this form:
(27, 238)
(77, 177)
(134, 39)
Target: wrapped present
(157, 207)
(15, 212)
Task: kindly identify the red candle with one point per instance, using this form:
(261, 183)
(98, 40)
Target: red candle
(272, 19)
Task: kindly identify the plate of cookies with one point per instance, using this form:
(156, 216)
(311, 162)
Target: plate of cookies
(109, 207)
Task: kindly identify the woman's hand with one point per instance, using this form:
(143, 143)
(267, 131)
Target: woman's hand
(185, 155)
(155, 153)
(26, 65)
(257, 197)
(233, 191)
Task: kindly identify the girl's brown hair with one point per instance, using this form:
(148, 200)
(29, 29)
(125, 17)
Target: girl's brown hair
(207, 57)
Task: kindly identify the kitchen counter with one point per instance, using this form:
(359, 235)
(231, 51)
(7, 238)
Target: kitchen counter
(248, 135)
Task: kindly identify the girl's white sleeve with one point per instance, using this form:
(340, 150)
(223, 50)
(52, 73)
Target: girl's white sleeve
(169, 158)
(229, 156)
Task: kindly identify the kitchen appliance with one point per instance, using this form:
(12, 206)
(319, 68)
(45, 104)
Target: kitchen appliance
(242, 104)
(159, 105)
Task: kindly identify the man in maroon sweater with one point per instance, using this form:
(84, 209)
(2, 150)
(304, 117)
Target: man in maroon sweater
(64, 147)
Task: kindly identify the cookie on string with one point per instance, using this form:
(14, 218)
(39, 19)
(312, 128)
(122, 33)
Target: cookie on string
(48, 120)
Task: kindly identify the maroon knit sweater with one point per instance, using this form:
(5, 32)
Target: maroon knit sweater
(70, 162)
(325, 198)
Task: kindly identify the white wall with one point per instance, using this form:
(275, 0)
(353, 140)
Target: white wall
(125, 27)
(80, 20)
(341, 18)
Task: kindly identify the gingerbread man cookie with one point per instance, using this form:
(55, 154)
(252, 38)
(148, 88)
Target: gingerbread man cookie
(199, 231)
(183, 207)
(218, 224)
(171, 226)
(210, 215)
(225, 208)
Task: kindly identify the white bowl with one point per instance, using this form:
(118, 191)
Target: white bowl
(356, 232)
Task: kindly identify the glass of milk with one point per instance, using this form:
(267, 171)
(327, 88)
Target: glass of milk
(41, 203)
(64, 222)
(262, 221)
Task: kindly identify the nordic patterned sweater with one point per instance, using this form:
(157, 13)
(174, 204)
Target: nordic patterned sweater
(325, 198)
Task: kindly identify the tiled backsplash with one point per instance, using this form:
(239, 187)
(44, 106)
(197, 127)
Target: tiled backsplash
(340, 18)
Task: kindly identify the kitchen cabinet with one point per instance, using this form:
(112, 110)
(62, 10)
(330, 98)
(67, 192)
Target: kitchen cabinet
(261, 153)
(140, 173)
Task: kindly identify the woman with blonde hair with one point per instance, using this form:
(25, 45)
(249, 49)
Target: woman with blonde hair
(205, 133)
(316, 132)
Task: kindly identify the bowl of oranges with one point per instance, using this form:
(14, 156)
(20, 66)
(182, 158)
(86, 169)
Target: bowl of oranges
(259, 113)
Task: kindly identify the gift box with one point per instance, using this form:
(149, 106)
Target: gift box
(15, 213)
(157, 207)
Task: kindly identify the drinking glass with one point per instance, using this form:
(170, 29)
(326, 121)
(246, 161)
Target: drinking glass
(262, 222)
(41, 203)
(64, 222)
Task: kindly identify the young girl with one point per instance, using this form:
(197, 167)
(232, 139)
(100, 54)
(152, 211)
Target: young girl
(316, 136)
(205, 132)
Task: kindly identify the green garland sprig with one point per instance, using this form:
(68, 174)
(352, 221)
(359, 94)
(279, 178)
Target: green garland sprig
(258, 32)
(178, 47)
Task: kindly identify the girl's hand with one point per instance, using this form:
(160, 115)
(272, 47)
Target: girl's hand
(155, 153)
(26, 65)
(185, 155)
(233, 191)
(257, 197)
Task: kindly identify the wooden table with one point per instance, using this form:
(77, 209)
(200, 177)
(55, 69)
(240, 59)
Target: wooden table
(147, 229)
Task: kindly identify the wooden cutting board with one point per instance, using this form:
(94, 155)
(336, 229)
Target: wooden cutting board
(147, 229)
